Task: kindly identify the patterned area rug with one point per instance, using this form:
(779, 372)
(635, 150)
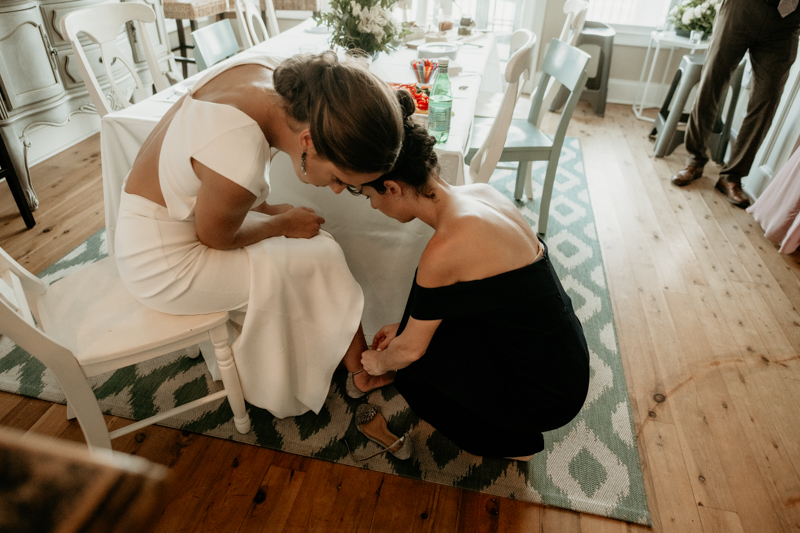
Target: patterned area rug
(591, 465)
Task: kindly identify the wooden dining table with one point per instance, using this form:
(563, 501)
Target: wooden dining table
(382, 253)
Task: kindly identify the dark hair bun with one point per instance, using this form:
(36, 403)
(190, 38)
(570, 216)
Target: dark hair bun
(407, 105)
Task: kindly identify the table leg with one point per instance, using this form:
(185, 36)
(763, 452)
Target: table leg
(649, 79)
(637, 104)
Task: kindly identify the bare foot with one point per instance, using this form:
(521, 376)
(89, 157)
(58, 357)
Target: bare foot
(365, 383)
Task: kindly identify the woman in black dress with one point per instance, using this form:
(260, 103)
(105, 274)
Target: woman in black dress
(489, 350)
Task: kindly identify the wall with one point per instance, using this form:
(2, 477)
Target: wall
(626, 64)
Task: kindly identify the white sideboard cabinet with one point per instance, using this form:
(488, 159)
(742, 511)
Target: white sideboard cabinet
(40, 85)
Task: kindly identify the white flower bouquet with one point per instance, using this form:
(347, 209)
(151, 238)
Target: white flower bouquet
(694, 15)
(369, 26)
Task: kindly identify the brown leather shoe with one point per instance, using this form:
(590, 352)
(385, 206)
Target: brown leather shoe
(733, 193)
(687, 175)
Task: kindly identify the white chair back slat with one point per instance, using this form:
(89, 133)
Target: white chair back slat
(102, 25)
(517, 72)
(258, 31)
(272, 18)
(245, 38)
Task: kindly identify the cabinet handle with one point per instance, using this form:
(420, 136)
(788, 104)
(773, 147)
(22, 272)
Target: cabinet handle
(112, 61)
(53, 53)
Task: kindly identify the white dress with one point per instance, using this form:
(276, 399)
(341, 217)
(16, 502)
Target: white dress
(303, 306)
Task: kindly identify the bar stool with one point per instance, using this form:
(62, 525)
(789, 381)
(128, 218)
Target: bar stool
(665, 128)
(191, 10)
(596, 91)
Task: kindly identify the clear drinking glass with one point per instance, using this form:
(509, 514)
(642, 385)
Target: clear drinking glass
(695, 36)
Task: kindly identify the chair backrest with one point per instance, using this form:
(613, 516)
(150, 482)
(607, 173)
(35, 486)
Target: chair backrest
(576, 17)
(101, 24)
(268, 9)
(258, 30)
(567, 65)
(517, 73)
(214, 43)
(573, 26)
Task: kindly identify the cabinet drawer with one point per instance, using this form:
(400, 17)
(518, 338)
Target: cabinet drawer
(53, 13)
(68, 65)
(27, 69)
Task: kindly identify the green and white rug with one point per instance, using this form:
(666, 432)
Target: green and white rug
(592, 465)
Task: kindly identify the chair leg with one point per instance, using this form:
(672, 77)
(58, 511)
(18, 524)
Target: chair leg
(523, 172)
(70, 412)
(230, 377)
(547, 190)
(83, 403)
(529, 182)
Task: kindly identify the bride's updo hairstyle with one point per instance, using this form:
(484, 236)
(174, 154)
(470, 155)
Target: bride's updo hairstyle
(354, 118)
(417, 160)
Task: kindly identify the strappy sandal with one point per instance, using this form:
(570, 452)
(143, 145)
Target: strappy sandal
(350, 386)
(371, 424)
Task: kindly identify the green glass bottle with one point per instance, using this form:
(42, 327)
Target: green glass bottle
(440, 104)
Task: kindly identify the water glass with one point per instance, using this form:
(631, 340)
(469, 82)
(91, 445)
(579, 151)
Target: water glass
(696, 36)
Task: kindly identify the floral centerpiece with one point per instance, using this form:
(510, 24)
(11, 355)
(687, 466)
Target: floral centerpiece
(694, 15)
(369, 26)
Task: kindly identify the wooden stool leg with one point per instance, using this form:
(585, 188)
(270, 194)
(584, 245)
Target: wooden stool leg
(182, 46)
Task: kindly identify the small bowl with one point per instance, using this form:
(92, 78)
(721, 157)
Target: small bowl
(434, 50)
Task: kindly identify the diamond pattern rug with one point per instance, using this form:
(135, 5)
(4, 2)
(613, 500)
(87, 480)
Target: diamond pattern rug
(591, 465)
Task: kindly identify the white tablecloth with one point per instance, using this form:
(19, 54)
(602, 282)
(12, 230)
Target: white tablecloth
(381, 252)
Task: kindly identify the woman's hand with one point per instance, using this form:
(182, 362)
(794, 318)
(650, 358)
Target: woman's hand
(371, 360)
(300, 223)
(384, 336)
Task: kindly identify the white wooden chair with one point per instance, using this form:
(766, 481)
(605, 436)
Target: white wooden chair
(214, 43)
(524, 142)
(102, 24)
(88, 324)
(484, 159)
(250, 25)
(573, 25)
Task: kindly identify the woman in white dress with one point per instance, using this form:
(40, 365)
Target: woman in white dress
(196, 235)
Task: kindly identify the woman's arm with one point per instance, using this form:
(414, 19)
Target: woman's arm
(275, 209)
(402, 350)
(223, 219)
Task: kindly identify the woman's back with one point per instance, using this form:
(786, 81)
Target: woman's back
(480, 234)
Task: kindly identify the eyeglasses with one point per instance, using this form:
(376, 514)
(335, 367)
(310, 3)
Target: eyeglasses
(355, 190)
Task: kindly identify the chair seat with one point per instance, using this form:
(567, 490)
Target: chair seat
(96, 317)
(523, 139)
(193, 9)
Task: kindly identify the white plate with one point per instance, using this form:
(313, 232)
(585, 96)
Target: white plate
(318, 29)
(434, 50)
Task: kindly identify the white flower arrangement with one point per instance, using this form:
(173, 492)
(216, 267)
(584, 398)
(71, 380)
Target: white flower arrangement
(694, 15)
(369, 25)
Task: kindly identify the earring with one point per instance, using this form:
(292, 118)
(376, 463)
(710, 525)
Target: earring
(303, 164)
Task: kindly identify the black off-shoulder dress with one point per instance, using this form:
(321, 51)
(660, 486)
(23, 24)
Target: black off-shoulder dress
(508, 362)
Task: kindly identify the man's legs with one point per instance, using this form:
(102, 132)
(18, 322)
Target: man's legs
(770, 62)
(727, 50)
